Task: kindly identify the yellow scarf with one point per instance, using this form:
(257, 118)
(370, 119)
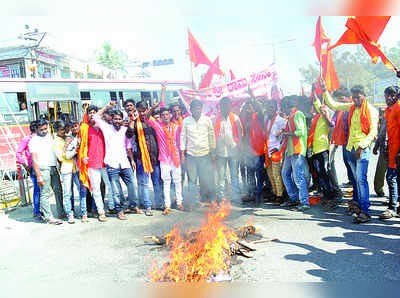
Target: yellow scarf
(148, 168)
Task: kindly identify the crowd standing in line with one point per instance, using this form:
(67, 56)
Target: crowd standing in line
(272, 148)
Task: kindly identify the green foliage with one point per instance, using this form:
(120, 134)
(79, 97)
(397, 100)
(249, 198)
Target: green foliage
(355, 68)
(111, 57)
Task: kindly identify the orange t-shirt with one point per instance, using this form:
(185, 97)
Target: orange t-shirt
(392, 115)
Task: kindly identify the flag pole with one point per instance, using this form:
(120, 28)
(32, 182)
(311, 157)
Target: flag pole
(191, 71)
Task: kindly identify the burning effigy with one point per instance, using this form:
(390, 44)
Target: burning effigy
(201, 254)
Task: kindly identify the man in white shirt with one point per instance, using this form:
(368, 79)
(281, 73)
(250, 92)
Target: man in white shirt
(274, 126)
(198, 143)
(228, 134)
(118, 165)
(44, 163)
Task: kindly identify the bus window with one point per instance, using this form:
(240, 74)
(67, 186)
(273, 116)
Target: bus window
(22, 101)
(9, 102)
(121, 95)
(145, 95)
(85, 95)
(113, 95)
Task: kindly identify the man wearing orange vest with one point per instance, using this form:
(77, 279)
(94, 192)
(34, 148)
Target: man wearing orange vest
(392, 116)
(228, 136)
(363, 123)
(293, 165)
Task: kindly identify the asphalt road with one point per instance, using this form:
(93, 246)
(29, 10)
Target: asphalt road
(316, 246)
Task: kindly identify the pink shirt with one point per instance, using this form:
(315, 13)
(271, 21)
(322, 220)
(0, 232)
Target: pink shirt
(96, 148)
(23, 153)
(164, 155)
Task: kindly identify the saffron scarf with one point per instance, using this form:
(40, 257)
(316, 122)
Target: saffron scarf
(295, 139)
(170, 142)
(266, 139)
(256, 135)
(312, 130)
(83, 151)
(178, 122)
(338, 136)
(233, 124)
(365, 117)
(148, 168)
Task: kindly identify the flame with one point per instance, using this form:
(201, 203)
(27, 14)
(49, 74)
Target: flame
(196, 255)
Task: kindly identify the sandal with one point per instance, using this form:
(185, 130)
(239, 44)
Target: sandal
(180, 207)
(362, 218)
(166, 211)
(54, 222)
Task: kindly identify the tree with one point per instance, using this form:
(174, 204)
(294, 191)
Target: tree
(111, 57)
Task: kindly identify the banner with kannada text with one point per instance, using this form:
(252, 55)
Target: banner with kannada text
(263, 84)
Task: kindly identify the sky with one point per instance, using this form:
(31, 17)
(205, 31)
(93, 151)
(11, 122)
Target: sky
(237, 31)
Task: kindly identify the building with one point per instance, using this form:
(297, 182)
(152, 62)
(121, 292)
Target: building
(23, 59)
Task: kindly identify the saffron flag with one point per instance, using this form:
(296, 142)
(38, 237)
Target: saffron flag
(214, 69)
(329, 72)
(320, 39)
(83, 150)
(366, 30)
(197, 55)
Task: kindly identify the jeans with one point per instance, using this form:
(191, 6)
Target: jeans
(168, 171)
(294, 178)
(51, 178)
(345, 155)
(95, 177)
(393, 181)
(222, 163)
(143, 184)
(36, 195)
(359, 169)
(321, 165)
(255, 170)
(68, 183)
(127, 176)
(202, 168)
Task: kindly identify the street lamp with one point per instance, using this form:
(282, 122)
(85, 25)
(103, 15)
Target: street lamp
(273, 45)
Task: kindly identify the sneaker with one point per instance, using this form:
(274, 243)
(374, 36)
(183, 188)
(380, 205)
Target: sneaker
(388, 214)
(71, 219)
(102, 217)
(121, 216)
(85, 219)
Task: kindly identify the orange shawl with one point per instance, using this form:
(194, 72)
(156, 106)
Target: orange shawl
(365, 117)
(312, 130)
(338, 136)
(256, 135)
(295, 139)
(170, 143)
(266, 139)
(83, 150)
(148, 168)
(233, 124)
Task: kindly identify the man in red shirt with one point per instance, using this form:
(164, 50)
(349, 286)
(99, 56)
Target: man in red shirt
(95, 162)
(392, 116)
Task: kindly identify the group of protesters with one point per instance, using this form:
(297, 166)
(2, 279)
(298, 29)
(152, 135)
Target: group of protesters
(272, 148)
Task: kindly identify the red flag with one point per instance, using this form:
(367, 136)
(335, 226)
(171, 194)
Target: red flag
(329, 72)
(197, 55)
(82, 152)
(366, 30)
(233, 77)
(320, 38)
(214, 69)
